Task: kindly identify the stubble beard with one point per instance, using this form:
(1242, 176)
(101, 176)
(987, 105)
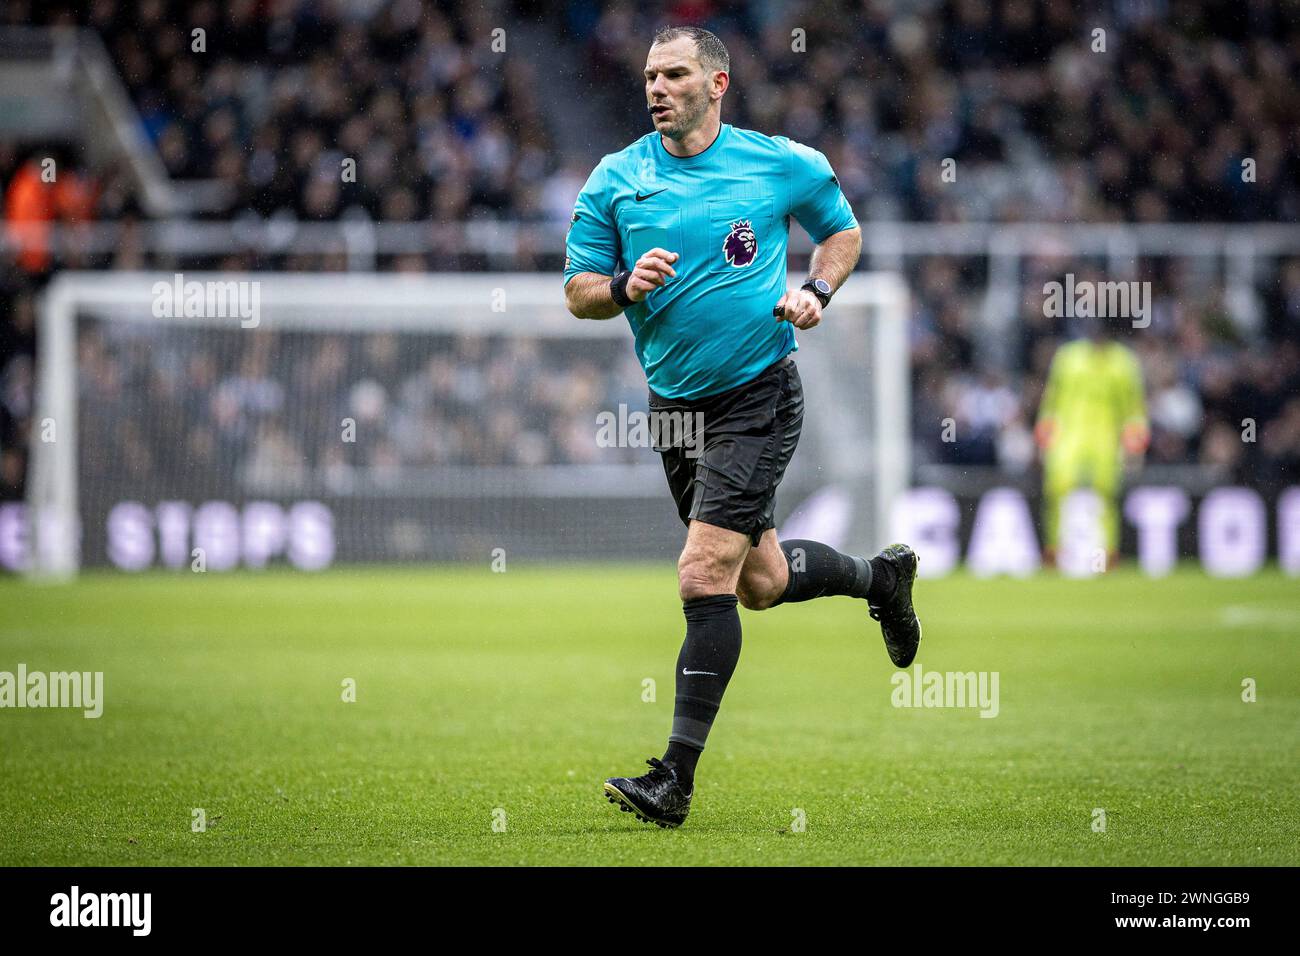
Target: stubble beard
(690, 114)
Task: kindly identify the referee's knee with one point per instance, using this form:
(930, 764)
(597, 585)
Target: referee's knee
(693, 583)
(703, 576)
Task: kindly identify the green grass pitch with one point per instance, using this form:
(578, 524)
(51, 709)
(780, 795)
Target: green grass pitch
(509, 697)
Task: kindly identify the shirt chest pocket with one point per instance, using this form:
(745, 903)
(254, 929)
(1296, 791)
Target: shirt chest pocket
(739, 233)
(645, 228)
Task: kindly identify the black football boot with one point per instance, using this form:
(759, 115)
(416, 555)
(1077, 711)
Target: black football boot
(897, 617)
(654, 797)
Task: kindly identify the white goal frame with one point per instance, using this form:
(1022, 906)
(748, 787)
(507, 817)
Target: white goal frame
(873, 353)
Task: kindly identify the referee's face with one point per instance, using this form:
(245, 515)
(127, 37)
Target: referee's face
(676, 88)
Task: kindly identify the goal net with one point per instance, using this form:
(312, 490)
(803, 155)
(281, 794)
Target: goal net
(218, 421)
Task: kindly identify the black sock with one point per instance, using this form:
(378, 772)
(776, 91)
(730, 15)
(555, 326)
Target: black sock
(818, 570)
(883, 581)
(704, 666)
(682, 758)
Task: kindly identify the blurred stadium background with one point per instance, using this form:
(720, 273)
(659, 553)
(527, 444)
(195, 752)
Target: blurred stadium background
(224, 150)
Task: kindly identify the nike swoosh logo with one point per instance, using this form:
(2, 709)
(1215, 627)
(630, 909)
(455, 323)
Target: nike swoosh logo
(640, 198)
(710, 673)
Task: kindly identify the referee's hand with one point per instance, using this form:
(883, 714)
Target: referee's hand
(652, 270)
(800, 308)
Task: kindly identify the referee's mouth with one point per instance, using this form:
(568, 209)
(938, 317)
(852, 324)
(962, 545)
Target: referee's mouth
(659, 109)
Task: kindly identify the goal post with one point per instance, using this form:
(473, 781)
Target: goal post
(236, 420)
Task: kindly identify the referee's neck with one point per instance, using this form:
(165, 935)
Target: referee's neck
(696, 141)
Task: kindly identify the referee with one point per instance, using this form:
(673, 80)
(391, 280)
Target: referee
(685, 232)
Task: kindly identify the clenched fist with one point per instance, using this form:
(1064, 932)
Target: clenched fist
(651, 271)
(800, 308)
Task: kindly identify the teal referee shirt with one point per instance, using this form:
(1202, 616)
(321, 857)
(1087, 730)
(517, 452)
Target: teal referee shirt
(726, 212)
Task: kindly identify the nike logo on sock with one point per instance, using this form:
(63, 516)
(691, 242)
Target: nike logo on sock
(710, 673)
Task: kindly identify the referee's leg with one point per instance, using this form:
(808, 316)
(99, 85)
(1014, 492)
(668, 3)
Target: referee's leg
(711, 561)
(707, 573)
(787, 572)
(764, 575)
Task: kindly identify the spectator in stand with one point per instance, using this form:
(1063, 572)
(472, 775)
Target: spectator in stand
(47, 188)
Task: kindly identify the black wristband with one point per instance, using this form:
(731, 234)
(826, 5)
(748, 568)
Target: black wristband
(618, 289)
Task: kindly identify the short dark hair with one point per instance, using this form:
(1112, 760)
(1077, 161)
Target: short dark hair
(708, 48)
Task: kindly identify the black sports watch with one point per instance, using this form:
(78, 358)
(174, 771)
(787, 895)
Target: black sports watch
(820, 288)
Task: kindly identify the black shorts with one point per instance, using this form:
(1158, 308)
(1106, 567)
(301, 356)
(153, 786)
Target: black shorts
(726, 474)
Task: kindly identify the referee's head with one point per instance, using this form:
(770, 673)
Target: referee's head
(686, 73)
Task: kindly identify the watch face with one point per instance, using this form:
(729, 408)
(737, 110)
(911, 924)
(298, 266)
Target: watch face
(823, 286)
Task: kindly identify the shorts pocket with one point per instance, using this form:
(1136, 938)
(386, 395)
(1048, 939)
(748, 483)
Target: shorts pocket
(675, 428)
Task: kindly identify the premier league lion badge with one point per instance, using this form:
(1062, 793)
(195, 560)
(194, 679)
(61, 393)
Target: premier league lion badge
(741, 244)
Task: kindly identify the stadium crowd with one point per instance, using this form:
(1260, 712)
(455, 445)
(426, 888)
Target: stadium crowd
(1043, 125)
(1216, 396)
(208, 408)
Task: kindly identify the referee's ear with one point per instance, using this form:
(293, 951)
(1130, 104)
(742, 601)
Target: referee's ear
(721, 83)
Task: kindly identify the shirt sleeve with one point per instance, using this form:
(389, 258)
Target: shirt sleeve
(592, 242)
(816, 199)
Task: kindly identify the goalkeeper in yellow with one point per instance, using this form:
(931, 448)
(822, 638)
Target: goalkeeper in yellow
(1092, 414)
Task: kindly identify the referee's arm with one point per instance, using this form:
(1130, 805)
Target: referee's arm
(589, 296)
(817, 203)
(835, 257)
